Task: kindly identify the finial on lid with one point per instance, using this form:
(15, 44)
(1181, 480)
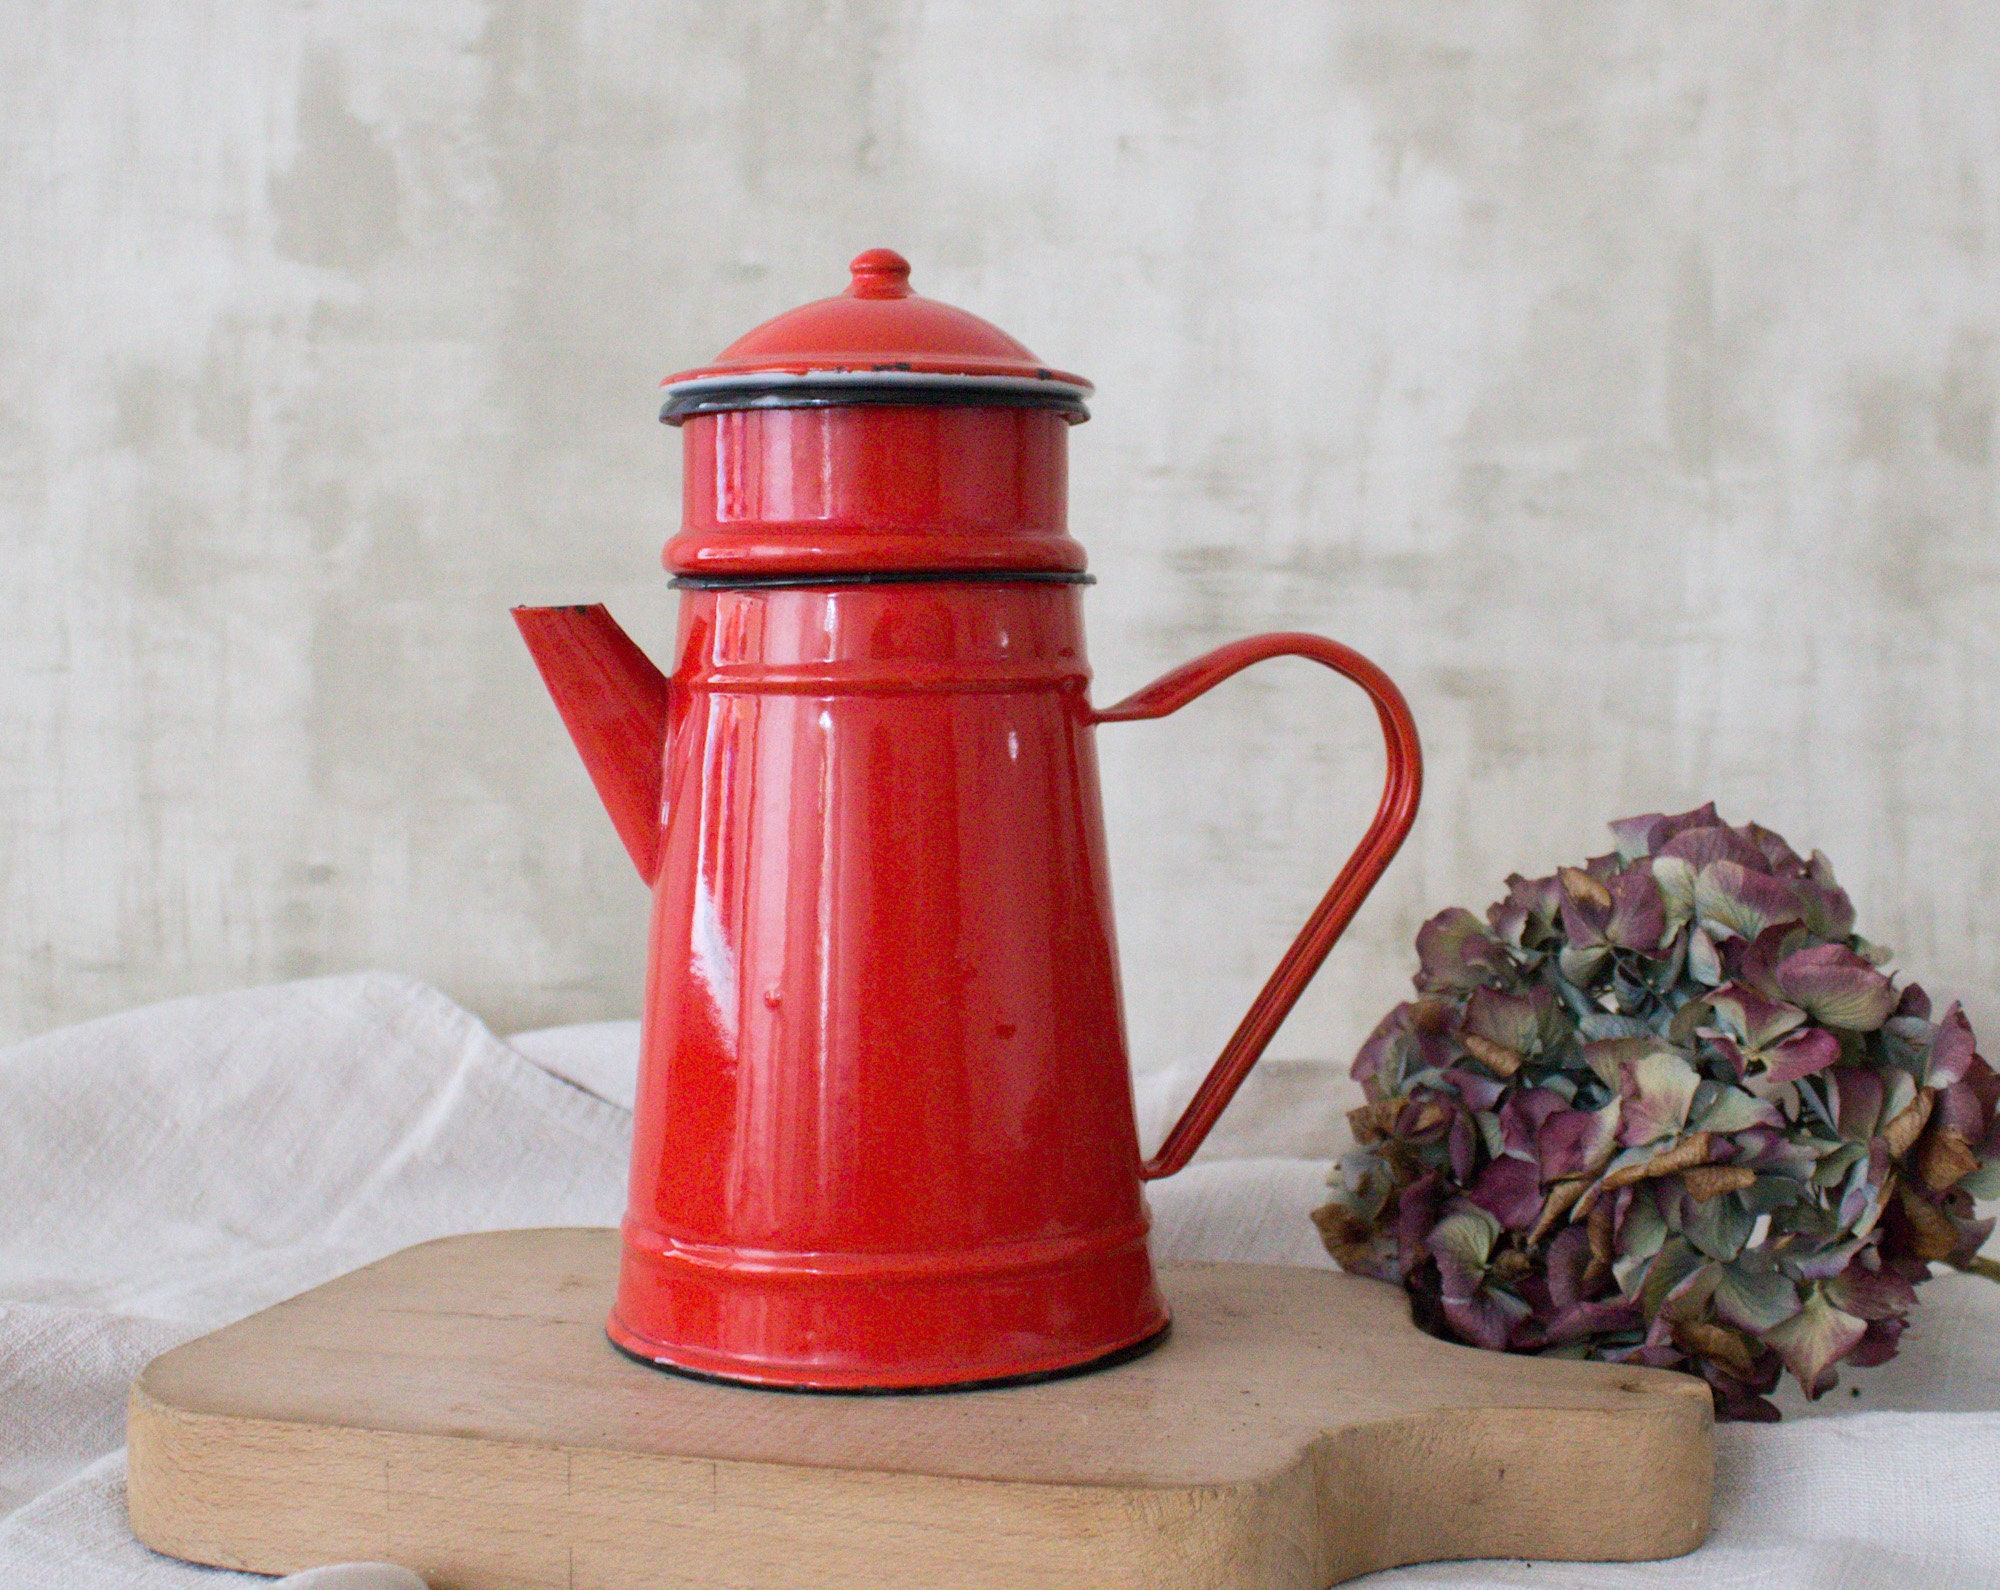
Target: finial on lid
(879, 273)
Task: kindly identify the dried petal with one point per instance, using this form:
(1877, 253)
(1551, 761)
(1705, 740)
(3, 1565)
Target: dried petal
(1580, 966)
(1521, 1119)
(1685, 1155)
(1561, 1199)
(1638, 913)
(1801, 1055)
(1568, 1261)
(1703, 816)
(1962, 1108)
(1349, 1238)
(1602, 1026)
(1710, 1181)
(1878, 1346)
(1754, 963)
(1871, 1294)
(1750, 1018)
(1929, 1232)
(1726, 1347)
(1829, 914)
(1839, 911)
(1606, 1316)
(1944, 1159)
(1779, 856)
(1497, 1058)
(1586, 907)
(1466, 1235)
(1813, 1340)
(1755, 1300)
(1456, 954)
(1576, 1142)
(1461, 1243)
(1656, 1091)
(1736, 1401)
(1904, 1130)
(1636, 836)
(1771, 1152)
(1532, 906)
(1719, 1227)
(1479, 1091)
(1386, 1047)
(1423, 1118)
(1608, 1057)
(1678, 1286)
(1509, 1019)
(1952, 1050)
(1486, 1318)
(1370, 1123)
(1705, 845)
(1674, 877)
(1856, 1098)
(1837, 987)
(1416, 1216)
(1732, 898)
(1737, 1111)
(1510, 1191)
(1704, 964)
(1985, 1084)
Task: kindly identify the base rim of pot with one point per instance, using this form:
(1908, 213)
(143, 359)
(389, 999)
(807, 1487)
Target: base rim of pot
(823, 1385)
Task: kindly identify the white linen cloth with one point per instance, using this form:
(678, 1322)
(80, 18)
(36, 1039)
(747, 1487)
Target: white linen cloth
(165, 1171)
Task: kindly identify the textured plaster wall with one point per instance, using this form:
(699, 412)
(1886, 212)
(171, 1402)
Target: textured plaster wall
(1620, 376)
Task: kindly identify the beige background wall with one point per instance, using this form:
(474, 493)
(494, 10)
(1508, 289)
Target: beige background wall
(1620, 376)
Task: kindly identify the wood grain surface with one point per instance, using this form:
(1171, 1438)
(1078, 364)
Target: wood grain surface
(456, 1408)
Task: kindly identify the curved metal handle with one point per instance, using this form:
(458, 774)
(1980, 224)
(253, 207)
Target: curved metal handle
(1330, 917)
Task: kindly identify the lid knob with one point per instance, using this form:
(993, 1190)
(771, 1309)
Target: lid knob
(879, 273)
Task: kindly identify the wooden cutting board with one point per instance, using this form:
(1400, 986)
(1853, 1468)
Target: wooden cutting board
(456, 1408)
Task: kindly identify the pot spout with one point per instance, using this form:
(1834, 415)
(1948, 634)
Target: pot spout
(615, 705)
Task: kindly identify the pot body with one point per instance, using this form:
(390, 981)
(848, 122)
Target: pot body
(885, 1132)
(885, 1136)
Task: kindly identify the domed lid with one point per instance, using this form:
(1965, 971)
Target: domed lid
(875, 343)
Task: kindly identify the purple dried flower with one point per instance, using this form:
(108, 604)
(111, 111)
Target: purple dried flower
(1666, 1108)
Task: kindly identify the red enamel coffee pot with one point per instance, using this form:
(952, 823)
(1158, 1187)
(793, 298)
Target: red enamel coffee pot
(885, 1135)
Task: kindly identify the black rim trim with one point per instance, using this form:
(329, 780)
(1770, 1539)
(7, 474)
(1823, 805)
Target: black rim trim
(844, 394)
(1110, 1360)
(784, 582)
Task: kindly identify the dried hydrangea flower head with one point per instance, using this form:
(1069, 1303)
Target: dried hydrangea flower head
(1667, 1108)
